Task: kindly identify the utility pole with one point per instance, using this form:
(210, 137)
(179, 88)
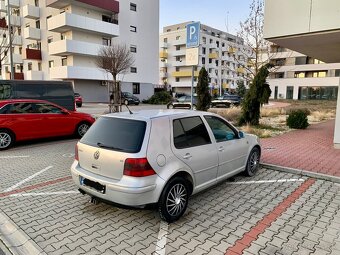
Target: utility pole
(10, 40)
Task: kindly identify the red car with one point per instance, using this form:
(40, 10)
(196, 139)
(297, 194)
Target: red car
(27, 119)
(79, 99)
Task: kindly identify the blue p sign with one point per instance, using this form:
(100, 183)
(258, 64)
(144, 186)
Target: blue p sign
(193, 35)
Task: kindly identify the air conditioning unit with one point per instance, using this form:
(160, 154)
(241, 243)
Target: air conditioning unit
(104, 83)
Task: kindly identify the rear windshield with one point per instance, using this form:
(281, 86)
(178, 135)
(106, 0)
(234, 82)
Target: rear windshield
(116, 134)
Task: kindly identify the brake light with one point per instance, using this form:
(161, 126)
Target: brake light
(138, 167)
(76, 156)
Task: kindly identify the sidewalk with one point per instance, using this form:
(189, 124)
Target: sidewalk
(310, 150)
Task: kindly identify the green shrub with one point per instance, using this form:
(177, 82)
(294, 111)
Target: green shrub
(162, 97)
(298, 119)
(305, 110)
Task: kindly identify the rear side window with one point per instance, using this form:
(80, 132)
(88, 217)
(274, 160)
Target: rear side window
(190, 132)
(5, 91)
(116, 134)
(20, 108)
(46, 108)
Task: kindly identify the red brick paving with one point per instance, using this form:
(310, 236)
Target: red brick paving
(311, 149)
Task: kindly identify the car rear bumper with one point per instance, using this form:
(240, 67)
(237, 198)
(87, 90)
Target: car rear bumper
(130, 191)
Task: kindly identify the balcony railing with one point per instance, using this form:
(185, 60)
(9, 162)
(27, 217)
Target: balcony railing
(67, 21)
(184, 74)
(32, 33)
(33, 54)
(109, 5)
(31, 12)
(73, 47)
(163, 54)
(17, 76)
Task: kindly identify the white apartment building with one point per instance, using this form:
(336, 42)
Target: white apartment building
(223, 55)
(60, 39)
(298, 76)
(311, 27)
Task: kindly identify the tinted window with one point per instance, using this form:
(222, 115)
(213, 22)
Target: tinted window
(221, 130)
(116, 134)
(5, 91)
(33, 91)
(190, 132)
(46, 108)
(20, 108)
(5, 109)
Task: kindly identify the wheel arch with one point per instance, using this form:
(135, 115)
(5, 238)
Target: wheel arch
(185, 175)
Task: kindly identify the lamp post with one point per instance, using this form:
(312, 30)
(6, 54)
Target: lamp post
(10, 40)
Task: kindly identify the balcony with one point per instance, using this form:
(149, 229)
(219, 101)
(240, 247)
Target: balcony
(213, 55)
(224, 49)
(178, 53)
(3, 23)
(16, 40)
(3, 7)
(178, 63)
(163, 54)
(240, 70)
(78, 72)
(163, 64)
(163, 74)
(33, 54)
(13, 3)
(31, 12)
(212, 46)
(17, 76)
(163, 45)
(109, 5)
(32, 33)
(232, 50)
(184, 74)
(15, 21)
(67, 21)
(73, 47)
(17, 59)
(179, 42)
(34, 75)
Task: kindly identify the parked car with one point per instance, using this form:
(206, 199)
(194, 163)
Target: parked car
(160, 157)
(183, 102)
(79, 99)
(128, 98)
(25, 119)
(226, 100)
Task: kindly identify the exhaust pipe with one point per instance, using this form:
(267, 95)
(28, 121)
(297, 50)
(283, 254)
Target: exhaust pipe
(94, 201)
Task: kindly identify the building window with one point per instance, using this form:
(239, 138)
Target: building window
(299, 75)
(133, 29)
(62, 36)
(133, 69)
(133, 7)
(178, 58)
(39, 66)
(20, 50)
(300, 60)
(204, 40)
(37, 24)
(29, 66)
(337, 73)
(204, 50)
(50, 39)
(203, 61)
(51, 63)
(165, 40)
(106, 41)
(136, 88)
(178, 47)
(178, 37)
(133, 48)
(36, 3)
(319, 74)
(19, 30)
(289, 93)
(177, 69)
(64, 61)
(177, 79)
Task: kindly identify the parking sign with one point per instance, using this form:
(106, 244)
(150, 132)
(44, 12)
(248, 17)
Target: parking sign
(193, 34)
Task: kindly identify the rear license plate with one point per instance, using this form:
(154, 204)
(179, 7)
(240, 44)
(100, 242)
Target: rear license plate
(92, 184)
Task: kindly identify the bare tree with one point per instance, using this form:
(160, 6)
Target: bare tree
(5, 42)
(115, 59)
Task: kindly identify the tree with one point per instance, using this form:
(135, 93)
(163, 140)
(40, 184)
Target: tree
(257, 95)
(203, 95)
(5, 42)
(241, 88)
(115, 59)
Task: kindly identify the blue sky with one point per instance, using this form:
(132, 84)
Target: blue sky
(212, 13)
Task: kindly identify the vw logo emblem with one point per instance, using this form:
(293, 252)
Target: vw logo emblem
(96, 155)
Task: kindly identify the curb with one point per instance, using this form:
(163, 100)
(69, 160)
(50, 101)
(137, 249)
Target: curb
(17, 242)
(302, 172)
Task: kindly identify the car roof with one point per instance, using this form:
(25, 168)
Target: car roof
(153, 114)
(9, 101)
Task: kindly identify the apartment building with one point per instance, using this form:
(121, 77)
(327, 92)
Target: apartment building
(60, 39)
(223, 55)
(298, 76)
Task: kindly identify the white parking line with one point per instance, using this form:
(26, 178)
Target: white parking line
(11, 157)
(267, 181)
(44, 194)
(27, 179)
(162, 236)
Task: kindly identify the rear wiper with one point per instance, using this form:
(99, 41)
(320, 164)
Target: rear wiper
(109, 147)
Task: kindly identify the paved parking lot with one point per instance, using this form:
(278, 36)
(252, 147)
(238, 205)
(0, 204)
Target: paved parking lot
(271, 213)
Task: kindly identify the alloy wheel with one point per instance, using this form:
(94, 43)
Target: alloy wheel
(176, 199)
(5, 140)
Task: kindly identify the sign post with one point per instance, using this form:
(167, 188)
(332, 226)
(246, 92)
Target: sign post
(191, 56)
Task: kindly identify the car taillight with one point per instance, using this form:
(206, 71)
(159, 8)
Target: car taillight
(76, 156)
(138, 167)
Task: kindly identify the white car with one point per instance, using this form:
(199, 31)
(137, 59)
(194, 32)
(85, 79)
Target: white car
(160, 157)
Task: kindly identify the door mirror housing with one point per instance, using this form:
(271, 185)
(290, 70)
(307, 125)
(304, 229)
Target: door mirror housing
(240, 134)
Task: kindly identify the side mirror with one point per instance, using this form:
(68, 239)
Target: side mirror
(240, 134)
(65, 112)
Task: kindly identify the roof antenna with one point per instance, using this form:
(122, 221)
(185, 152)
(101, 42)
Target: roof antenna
(128, 108)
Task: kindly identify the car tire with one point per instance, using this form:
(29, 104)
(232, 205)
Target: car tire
(82, 128)
(136, 103)
(170, 106)
(7, 139)
(194, 107)
(253, 162)
(174, 199)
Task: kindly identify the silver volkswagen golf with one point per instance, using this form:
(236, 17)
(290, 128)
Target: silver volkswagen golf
(160, 157)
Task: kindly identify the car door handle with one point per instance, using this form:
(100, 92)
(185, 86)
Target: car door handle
(221, 148)
(187, 156)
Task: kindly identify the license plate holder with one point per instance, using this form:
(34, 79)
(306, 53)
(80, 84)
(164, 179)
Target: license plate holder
(92, 184)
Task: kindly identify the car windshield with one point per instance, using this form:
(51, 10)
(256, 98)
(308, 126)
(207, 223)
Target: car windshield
(116, 134)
